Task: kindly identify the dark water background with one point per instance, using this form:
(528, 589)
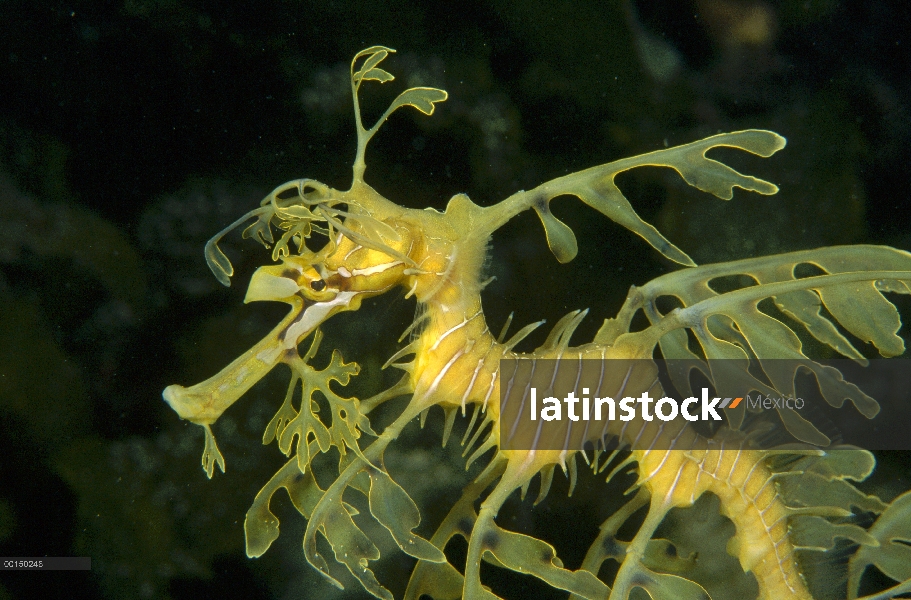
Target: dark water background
(130, 132)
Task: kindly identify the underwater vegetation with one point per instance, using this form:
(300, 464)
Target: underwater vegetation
(335, 249)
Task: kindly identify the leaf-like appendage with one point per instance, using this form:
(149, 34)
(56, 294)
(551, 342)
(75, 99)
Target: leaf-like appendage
(216, 259)
(352, 547)
(218, 263)
(261, 525)
(817, 533)
(719, 179)
(662, 586)
(892, 555)
(842, 462)
(295, 215)
(260, 230)
(295, 212)
(391, 505)
(815, 485)
(525, 554)
(865, 312)
(442, 581)
(211, 455)
(283, 417)
(862, 309)
(328, 514)
(560, 237)
(730, 325)
(299, 231)
(596, 187)
(347, 419)
(377, 74)
(810, 490)
(375, 55)
(423, 99)
(305, 423)
(661, 555)
(806, 306)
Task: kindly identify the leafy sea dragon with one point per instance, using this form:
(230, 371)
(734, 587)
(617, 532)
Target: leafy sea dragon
(779, 501)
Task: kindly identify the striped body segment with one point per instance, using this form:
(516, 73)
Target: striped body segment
(748, 496)
(457, 364)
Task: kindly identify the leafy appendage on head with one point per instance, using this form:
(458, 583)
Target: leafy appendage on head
(296, 208)
(423, 99)
(303, 206)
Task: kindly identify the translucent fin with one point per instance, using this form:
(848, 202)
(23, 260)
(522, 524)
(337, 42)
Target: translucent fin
(817, 533)
(818, 485)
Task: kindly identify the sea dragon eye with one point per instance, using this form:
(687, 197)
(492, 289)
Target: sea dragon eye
(318, 285)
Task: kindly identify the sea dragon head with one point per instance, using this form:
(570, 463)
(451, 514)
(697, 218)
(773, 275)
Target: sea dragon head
(364, 255)
(368, 250)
